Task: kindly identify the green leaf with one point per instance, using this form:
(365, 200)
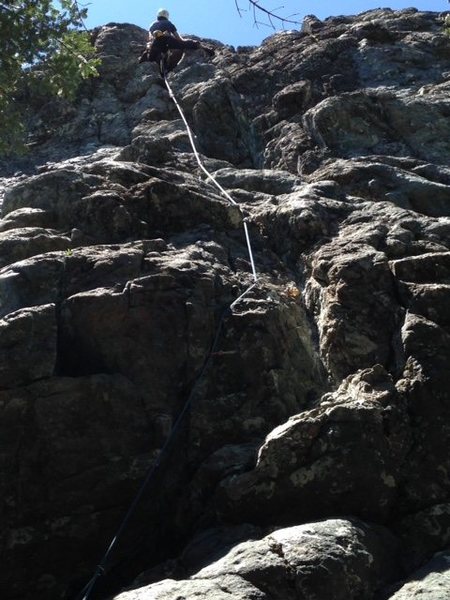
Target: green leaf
(42, 48)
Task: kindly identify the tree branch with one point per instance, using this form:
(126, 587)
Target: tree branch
(271, 15)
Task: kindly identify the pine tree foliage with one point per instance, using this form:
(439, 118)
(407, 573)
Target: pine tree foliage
(44, 48)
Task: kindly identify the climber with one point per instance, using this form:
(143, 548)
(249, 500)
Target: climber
(163, 36)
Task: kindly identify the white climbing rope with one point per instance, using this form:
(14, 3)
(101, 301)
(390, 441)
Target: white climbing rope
(211, 178)
(103, 564)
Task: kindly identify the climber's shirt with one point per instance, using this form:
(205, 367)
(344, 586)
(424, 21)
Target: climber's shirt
(163, 25)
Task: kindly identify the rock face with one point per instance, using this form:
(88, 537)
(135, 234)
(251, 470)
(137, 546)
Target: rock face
(298, 562)
(313, 461)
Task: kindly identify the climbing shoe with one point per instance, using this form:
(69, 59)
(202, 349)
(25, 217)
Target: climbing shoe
(144, 57)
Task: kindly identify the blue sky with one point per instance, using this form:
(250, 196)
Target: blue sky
(220, 20)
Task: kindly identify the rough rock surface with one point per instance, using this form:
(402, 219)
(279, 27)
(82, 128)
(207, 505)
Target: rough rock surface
(313, 463)
(431, 582)
(330, 559)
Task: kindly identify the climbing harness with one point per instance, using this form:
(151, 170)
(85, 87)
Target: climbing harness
(101, 568)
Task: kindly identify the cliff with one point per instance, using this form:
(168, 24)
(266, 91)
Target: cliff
(312, 462)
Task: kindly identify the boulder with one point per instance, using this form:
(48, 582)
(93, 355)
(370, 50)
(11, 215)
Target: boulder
(308, 561)
(315, 464)
(431, 582)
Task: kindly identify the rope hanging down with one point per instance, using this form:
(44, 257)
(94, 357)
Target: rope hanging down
(211, 178)
(102, 566)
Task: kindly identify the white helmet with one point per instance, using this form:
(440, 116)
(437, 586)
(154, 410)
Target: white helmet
(162, 12)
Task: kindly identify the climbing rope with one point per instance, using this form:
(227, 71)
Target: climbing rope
(102, 566)
(214, 181)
